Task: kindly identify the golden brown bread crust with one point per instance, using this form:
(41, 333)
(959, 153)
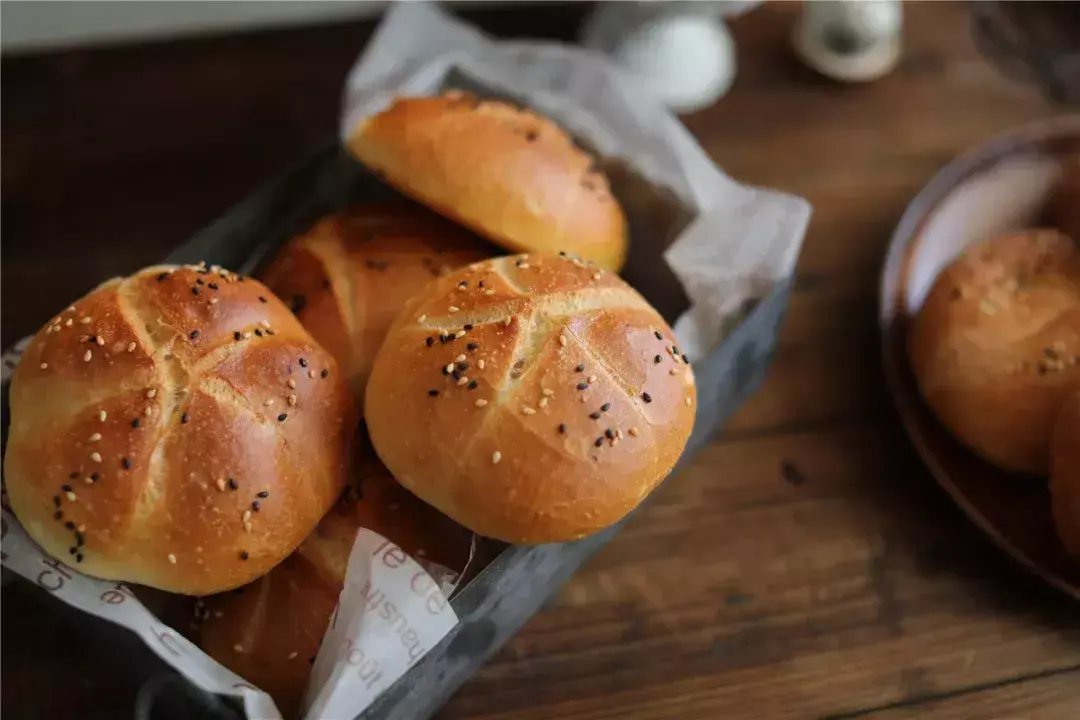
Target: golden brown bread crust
(134, 408)
(1065, 474)
(543, 399)
(269, 633)
(510, 175)
(348, 277)
(995, 345)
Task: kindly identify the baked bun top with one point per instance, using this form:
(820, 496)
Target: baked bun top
(994, 347)
(510, 175)
(177, 428)
(532, 398)
(351, 273)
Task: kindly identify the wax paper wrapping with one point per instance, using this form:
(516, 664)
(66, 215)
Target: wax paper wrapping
(733, 244)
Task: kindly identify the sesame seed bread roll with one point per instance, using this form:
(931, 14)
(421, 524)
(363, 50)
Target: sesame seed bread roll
(995, 345)
(509, 174)
(1065, 474)
(544, 398)
(178, 429)
(271, 631)
(349, 275)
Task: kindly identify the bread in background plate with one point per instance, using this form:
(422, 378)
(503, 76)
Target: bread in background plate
(995, 345)
(510, 175)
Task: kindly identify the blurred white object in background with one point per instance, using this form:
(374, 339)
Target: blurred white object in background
(850, 40)
(680, 52)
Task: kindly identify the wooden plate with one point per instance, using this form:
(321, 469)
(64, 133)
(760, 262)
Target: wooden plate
(1000, 186)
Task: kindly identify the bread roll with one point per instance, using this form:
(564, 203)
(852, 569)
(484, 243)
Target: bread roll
(270, 632)
(177, 429)
(1065, 474)
(532, 398)
(512, 176)
(348, 276)
(995, 345)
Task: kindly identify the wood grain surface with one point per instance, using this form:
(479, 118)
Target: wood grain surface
(805, 565)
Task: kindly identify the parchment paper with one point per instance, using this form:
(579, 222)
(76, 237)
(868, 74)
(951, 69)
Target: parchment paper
(736, 243)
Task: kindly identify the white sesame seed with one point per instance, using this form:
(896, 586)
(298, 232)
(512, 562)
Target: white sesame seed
(151, 393)
(95, 437)
(507, 321)
(247, 335)
(688, 401)
(292, 655)
(71, 496)
(633, 432)
(547, 392)
(449, 368)
(71, 308)
(543, 402)
(49, 330)
(220, 484)
(56, 327)
(44, 366)
(149, 410)
(95, 456)
(591, 379)
(422, 318)
(172, 558)
(614, 441)
(527, 410)
(459, 334)
(247, 526)
(562, 340)
(454, 308)
(524, 266)
(480, 364)
(213, 301)
(311, 373)
(265, 324)
(481, 402)
(102, 415)
(238, 647)
(87, 355)
(81, 528)
(596, 276)
(618, 433)
(246, 517)
(88, 480)
(460, 358)
(100, 341)
(292, 400)
(131, 347)
(489, 293)
(673, 371)
(496, 457)
(463, 380)
(69, 322)
(291, 383)
(83, 338)
(86, 320)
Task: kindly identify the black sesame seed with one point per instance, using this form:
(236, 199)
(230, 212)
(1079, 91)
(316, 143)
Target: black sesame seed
(263, 494)
(674, 349)
(298, 303)
(311, 660)
(95, 476)
(582, 386)
(136, 423)
(199, 281)
(244, 555)
(194, 334)
(445, 371)
(605, 407)
(658, 359)
(69, 525)
(66, 488)
(445, 338)
(480, 284)
(463, 366)
(73, 550)
(433, 393)
(562, 428)
(658, 335)
(473, 384)
(646, 397)
(599, 441)
(233, 484)
(58, 514)
(686, 359)
(212, 286)
(594, 416)
(303, 362)
(258, 332)
(73, 476)
(79, 539)
(429, 341)
(463, 284)
(237, 335)
(562, 253)
(282, 417)
(609, 434)
(92, 339)
(256, 505)
(579, 368)
(78, 558)
(471, 346)
(468, 326)
(56, 500)
(456, 374)
(126, 462)
(184, 418)
(162, 276)
(194, 290)
(269, 331)
(262, 299)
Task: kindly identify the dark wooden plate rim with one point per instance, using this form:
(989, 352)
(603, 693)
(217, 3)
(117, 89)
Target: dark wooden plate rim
(893, 320)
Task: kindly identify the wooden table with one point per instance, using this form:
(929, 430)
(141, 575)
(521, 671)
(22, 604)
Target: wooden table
(805, 566)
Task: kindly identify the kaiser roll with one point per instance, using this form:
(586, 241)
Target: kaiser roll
(512, 176)
(531, 398)
(995, 345)
(1065, 474)
(270, 631)
(348, 276)
(177, 429)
